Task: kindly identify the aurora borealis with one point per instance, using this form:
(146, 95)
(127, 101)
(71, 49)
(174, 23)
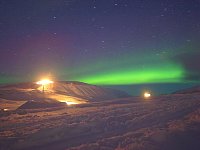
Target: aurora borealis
(117, 72)
(153, 75)
(102, 42)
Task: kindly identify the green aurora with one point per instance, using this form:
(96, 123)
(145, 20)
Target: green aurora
(133, 69)
(141, 68)
(162, 74)
(6, 79)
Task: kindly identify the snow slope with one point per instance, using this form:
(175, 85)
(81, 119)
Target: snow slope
(87, 91)
(160, 123)
(69, 92)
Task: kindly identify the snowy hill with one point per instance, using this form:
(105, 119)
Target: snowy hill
(69, 92)
(87, 91)
(195, 89)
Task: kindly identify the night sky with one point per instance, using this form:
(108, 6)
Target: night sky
(103, 42)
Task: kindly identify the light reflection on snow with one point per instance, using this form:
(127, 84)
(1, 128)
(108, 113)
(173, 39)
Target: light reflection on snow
(71, 103)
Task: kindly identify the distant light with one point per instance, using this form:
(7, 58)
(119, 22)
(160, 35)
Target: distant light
(71, 103)
(5, 109)
(147, 95)
(44, 82)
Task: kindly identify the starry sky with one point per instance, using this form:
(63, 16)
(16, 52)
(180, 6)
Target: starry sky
(102, 42)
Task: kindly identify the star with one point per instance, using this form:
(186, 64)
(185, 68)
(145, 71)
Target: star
(93, 19)
(28, 36)
(153, 36)
(188, 40)
(85, 51)
(165, 9)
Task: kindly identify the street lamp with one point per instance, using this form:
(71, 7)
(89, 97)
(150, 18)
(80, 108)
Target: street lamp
(44, 82)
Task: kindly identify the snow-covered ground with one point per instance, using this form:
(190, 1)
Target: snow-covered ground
(160, 123)
(70, 92)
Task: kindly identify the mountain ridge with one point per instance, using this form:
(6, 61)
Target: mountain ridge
(194, 89)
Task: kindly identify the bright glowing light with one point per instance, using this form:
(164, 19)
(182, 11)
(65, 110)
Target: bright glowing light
(44, 82)
(71, 103)
(147, 95)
